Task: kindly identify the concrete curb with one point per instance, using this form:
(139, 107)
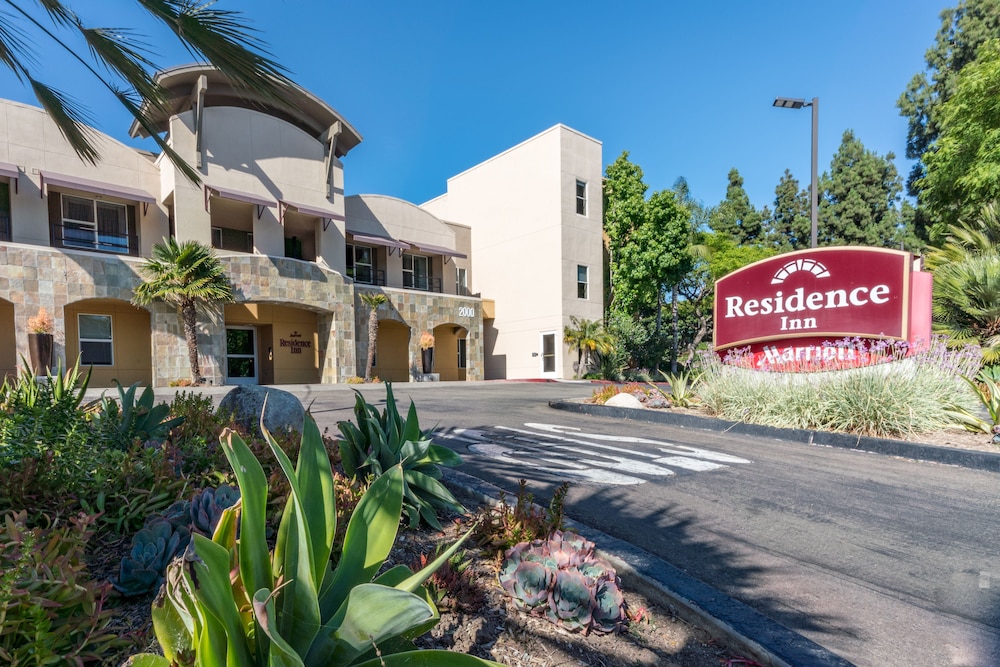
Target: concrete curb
(964, 458)
(741, 627)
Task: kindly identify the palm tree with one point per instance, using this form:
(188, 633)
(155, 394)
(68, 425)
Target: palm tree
(586, 337)
(966, 305)
(373, 300)
(184, 274)
(119, 61)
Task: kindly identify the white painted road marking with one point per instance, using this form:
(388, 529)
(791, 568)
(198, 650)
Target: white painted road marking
(585, 459)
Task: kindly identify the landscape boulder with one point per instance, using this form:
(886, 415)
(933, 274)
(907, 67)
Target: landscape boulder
(245, 402)
(624, 401)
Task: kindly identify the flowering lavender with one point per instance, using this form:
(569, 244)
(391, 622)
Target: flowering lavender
(872, 387)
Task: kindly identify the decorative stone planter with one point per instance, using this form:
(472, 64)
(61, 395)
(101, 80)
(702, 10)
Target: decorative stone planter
(40, 352)
(427, 359)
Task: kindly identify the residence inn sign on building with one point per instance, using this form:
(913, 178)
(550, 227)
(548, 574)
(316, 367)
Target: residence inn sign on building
(788, 306)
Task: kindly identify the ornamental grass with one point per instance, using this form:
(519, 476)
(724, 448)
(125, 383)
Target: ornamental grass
(898, 399)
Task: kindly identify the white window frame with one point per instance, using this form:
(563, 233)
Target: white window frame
(583, 285)
(581, 198)
(110, 340)
(461, 281)
(82, 226)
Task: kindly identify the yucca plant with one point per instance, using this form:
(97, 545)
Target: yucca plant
(682, 386)
(229, 601)
(381, 441)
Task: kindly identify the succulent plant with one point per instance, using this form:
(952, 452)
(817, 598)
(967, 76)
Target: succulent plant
(561, 579)
(571, 601)
(206, 508)
(528, 584)
(153, 548)
(167, 535)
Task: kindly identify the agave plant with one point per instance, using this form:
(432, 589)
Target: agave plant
(153, 548)
(232, 601)
(131, 419)
(381, 441)
(562, 580)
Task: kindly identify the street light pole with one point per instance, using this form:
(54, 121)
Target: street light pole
(798, 103)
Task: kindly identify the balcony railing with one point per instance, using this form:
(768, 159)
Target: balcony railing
(83, 238)
(425, 283)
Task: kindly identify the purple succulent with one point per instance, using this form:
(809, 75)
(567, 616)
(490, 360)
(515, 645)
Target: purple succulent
(609, 613)
(528, 585)
(571, 602)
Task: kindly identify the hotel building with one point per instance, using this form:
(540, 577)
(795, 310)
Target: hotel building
(494, 268)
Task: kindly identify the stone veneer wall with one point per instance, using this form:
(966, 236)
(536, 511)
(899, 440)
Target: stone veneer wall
(423, 311)
(292, 282)
(32, 277)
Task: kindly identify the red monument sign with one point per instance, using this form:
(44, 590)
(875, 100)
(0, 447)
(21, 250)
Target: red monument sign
(788, 306)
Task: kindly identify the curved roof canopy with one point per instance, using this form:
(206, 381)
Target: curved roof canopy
(305, 111)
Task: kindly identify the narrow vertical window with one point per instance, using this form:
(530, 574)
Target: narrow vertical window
(548, 353)
(461, 352)
(96, 344)
(461, 282)
(5, 234)
(581, 281)
(581, 198)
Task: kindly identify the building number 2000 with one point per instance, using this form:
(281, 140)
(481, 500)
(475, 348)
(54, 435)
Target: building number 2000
(466, 311)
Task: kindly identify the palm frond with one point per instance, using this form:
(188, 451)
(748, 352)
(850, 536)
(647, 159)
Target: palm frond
(122, 53)
(14, 51)
(70, 118)
(218, 36)
(175, 158)
(59, 13)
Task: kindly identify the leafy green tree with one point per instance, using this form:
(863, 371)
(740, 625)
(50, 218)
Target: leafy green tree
(184, 275)
(966, 269)
(624, 210)
(647, 239)
(963, 30)
(118, 60)
(790, 224)
(735, 215)
(860, 195)
(722, 256)
(586, 337)
(373, 300)
(962, 169)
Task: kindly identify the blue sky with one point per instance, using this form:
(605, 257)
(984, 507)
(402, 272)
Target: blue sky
(685, 87)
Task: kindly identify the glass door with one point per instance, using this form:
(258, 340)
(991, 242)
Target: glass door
(241, 355)
(548, 353)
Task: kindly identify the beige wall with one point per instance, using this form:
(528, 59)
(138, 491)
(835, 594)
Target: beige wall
(528, 241)
(131, 334)
(280, 331)
(391, 358)
(30, 140)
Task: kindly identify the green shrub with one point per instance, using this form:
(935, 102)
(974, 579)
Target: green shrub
(131, 418)
(505, 525)
(381, 441)
(50, 612)
(290, 606)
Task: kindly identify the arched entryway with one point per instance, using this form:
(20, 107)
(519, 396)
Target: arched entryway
(392, 363)
(112, 337)
(271, 344)
(8, 340)
(451, 351)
